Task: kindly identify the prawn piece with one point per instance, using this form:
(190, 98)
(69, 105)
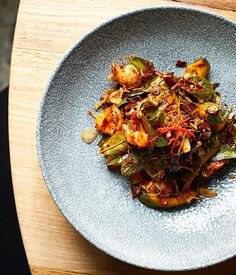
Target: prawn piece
(135, 134)
(127, 76)
(109, 120)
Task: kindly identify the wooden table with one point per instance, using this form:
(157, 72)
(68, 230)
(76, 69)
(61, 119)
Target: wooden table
(44, 31)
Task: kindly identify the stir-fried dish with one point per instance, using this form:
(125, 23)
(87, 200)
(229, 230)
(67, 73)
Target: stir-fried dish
(168, 134)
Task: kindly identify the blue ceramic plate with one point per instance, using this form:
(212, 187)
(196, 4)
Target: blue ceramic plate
(96, 201)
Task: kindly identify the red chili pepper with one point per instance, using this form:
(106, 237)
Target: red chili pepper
(161, 131)
(174, 143)
(182, 80)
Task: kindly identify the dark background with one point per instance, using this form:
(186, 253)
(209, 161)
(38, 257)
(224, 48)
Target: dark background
(8, 11)
(12, 255)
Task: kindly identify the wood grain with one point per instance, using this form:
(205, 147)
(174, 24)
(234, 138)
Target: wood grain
(217, 4)
(44, 31)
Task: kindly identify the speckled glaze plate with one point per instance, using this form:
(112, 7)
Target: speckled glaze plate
(96, 201)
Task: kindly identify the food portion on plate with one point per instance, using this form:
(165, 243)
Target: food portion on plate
(168, 134)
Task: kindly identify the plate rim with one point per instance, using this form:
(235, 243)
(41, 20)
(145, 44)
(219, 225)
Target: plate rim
(43, 169)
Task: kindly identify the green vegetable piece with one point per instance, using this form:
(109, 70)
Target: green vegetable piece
(153, 201)
(153, 167)
(214, 120)
(114, 160)
(117, 144)
(225, 153)
(149, 200)
(103, 140)
(209, 107)
(146, 125)
(153, 115)
(211, 152)
(141, 64)
(200, 68)
(123, 102)
(162, 118)
(203, 81)
(152, 131)
(157, 114)
(160, 142)
(155, 81)
(218, 121)
(206, 94)
(131, 165)
(224, 114)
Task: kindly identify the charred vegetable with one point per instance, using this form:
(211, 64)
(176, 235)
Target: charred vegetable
(200, 68)
(155, 201)
(127, 76)
(165, 132)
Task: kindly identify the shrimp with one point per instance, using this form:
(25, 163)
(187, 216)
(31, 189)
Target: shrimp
(109, 120)
(136, 136)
